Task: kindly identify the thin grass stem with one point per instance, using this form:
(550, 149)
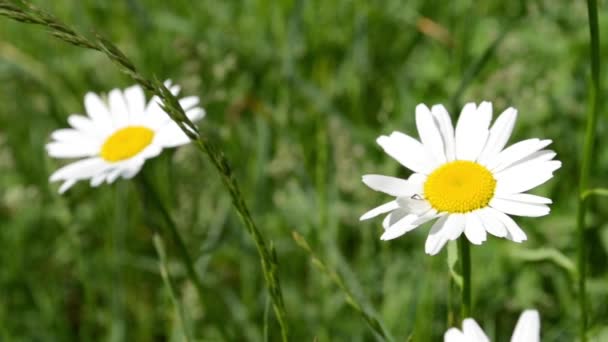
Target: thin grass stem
(590, 131)
(164, 272)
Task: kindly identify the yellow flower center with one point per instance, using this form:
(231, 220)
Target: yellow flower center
(126, 142)
(459, 187)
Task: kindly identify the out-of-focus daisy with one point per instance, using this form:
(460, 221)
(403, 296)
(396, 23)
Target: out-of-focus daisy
(526, 330)
(117, 136)
(464, 177)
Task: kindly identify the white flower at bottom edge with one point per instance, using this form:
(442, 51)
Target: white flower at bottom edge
(117, 136)
(526, 330)
(463, 176)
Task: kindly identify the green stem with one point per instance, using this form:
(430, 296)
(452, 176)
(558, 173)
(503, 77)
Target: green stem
(164, 272)
(465, 263)
(586, 164)
(184, 255)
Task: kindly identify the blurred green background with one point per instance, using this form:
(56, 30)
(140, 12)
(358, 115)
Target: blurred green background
(296, 93)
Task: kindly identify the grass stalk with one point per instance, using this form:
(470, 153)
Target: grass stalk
(32, 15)
(164, 272)
(464, 252)
(590, 132)
(369, 317)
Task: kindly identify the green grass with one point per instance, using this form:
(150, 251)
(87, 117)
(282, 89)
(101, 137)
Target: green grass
(296, 93)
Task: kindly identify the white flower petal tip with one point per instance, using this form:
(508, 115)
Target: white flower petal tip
(527, 328)
(116, 136)
(464, 175)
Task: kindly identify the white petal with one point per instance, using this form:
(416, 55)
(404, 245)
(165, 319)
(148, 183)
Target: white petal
(527, 328)
(65, 150)
(414, 205)
(526, 198)
(66, 185)
(69, 135)
(515, 153)
(407, 224)
(447, 130)
(474, 230)
(491, 224)
(514, 232)
(455, 226)
(393, 186)
(189, 102)
(473, 331)
(430, 136)
(437, 237)
(393, 217)
(472, 130)
(536, 157)
(170, 136)
(98, 179)
(499, 134)
(454, 335)
(118, 108)
(400, 227)
(113, 175)
(519, 208)
(82, 169)
(385, 208)
(97, 111)
(132, 168)
(136, 103)
(83, 124)
(195, 114)
(521, 179)
(407, 151)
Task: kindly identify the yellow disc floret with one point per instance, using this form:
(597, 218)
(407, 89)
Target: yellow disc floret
(126, 142)
(459, 187)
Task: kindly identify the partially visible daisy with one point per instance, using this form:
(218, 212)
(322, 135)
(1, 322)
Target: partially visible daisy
(117, 136)
(526, 330)
(464, 177)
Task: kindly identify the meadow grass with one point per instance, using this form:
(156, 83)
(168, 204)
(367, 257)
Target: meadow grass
(296, 93)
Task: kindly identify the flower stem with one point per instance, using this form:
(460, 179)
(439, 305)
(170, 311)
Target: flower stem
(465, 263)
(586, 164)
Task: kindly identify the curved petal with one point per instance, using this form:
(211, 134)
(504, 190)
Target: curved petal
(519, 208)
(515, 153)
(384, 208)
(118, 108)
(97, 111)
(81, 169)
(65, 150)
(447, 131)
(430, 136)
(407, 151)
(499, 134)
(491, 224)
(521, 179)
(526, 198)
(473, 331)
(527, 328)
(448, 227)
(472, 130)
(474, 230)
(136, 104)
(514, 232)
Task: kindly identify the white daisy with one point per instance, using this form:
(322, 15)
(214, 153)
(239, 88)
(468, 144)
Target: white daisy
(117, 136)
(526, 330)
(464, 177)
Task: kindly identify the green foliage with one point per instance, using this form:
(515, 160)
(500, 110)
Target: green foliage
(296, 93)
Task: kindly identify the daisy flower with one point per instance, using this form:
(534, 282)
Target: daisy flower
(526, 330)
(463, 177)
(117, 136)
